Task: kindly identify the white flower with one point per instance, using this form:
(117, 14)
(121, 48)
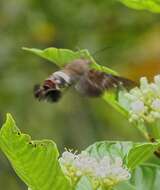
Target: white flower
(144, 101)
(106, 170)
(144, 83)
(154, 88)
(138, 107)
(157, 80)
(118, 161)
(101, 172)
(155, 115)
(105, 162)
(156, 104)
(84, 163)
(68, 157)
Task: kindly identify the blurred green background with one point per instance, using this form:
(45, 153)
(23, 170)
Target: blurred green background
(133, 41)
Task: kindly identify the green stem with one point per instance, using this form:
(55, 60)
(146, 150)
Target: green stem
(155, 129)
(151, 132)
(143, 129)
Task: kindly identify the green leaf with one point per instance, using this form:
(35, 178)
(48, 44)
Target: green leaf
(61, 57)
(84, 184)
(110, 148)
(151, 5)
(110, 98)
(145, 177)
(140, 153)
(35, 162)
(125, 186)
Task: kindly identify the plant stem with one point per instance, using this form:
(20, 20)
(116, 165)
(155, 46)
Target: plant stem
(151, 134)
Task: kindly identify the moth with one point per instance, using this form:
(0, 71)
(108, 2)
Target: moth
(87, 81)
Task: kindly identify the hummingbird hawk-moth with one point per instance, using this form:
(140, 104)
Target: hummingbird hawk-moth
(87, 81)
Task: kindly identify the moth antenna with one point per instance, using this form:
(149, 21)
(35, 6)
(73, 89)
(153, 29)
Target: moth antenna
(101, 50)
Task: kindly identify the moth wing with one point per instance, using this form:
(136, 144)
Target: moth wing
(94, 83)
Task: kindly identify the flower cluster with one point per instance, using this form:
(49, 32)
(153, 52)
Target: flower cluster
(104, 171)
(144, 101)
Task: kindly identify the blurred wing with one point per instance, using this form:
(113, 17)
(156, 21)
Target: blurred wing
(94, 83)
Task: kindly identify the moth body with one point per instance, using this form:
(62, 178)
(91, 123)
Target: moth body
(88, 82)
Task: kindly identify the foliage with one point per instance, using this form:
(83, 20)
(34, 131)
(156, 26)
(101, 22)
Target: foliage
(144, 177)
(129, 33)
(151, 5)
(61, 57)
(36, 162)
